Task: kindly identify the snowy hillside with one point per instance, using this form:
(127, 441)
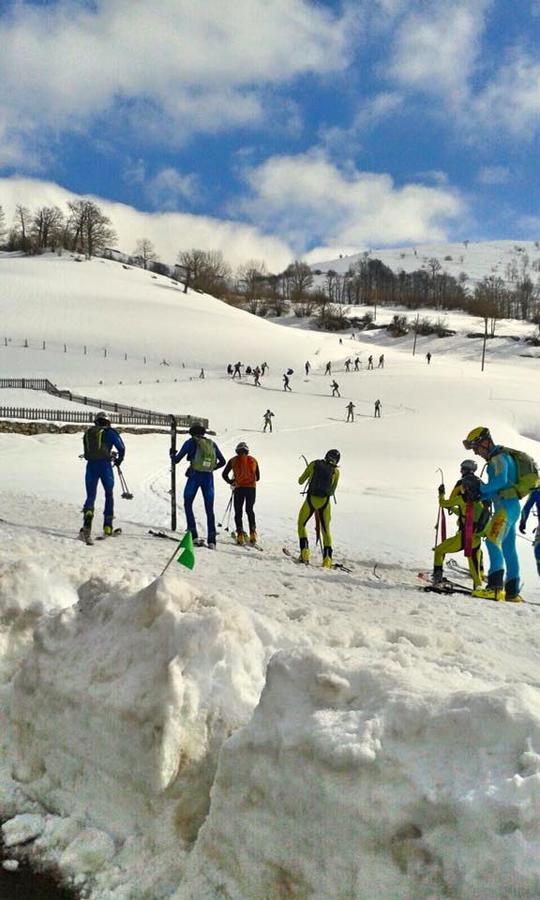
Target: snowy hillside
(254, 728)
(477, 259)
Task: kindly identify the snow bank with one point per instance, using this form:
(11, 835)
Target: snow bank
(121, 706)
(357, 781)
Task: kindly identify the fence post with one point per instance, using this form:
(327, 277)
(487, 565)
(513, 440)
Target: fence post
(26, 343)
(65, 349)
(43, 348)
(125, 356)
(104, 351)
(5, 342)
(144, 357)
(85, 349)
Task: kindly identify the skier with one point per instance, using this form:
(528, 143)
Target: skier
(377, 409)
(350, 411)
(307, 367)
(245, 472)
(500, 531)
(264, 367)
(286, 385)
(237, 370)
(533, 500)
(323, 475)
(428, 357)
(481, 512)
(230, 369)
(98, 442)
(257, 376)
(357, 364)
(370, 362)
(381, 361)
(335, 389)
(268, 416)
(201, 373)
(328, 370)
(348, 365)
(248, 370)
(204, 457)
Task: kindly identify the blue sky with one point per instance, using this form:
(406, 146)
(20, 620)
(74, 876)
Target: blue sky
(327, 126)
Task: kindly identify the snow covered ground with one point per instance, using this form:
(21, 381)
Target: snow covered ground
(254, 728)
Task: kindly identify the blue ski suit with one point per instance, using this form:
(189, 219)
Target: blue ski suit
(500, 531)
(101, 470)
(196, 480)
(533, 500)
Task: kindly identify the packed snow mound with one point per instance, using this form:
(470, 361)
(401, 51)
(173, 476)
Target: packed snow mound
(28, 591)
(157, 681)
(355, 780)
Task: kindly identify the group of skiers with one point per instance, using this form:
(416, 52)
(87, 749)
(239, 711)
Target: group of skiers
(490, 511)
(486, 511)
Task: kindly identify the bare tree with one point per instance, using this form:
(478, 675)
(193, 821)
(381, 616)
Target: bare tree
(22, 226)
(145, 252)
(47, 225)
(251, 281)
(206, 270)
(3, 227)
(300, 278)
(90, 228)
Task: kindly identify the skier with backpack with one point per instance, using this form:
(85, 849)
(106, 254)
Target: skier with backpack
(98, 442)
(534, 500)
(512, 475)
(286, 382)
(204, 457)
(322, 476)
(245, 475)
(476, 512)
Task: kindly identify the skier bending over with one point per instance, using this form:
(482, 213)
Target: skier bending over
(323, 476)
(98, 442)
(481, 511)
(204, 457)
(335, 389)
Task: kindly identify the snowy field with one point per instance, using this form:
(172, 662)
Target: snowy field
(253, 728)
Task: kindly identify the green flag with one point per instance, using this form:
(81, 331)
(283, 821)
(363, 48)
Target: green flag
(186, 556)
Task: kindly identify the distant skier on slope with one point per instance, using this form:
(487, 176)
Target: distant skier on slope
(533, 500)
(323, 477)
(370, 362)
(335, 389)
(350, 411)
(377, 409)
(456, 504)
(204, 457)
(268, 416)
(357, 364)
(286, 382)
(98, 443)
(328, 370)
(245, 475)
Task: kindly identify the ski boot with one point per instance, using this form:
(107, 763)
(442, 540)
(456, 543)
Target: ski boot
(240, 538)
(252, 536)
(107, 530)
(494, 589)
(85, 534)
(512, 591)
(327, 558)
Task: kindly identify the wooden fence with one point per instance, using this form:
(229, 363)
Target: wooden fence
(123, 415)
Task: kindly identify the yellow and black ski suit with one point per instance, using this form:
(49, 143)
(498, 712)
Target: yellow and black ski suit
(320, 505)
(481, 512)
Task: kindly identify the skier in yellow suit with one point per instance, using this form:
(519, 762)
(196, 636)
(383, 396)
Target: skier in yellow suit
(323, 477)
(457, 505)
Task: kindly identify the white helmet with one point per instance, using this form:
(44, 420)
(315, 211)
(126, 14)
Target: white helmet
(468, 465)
(242, 447)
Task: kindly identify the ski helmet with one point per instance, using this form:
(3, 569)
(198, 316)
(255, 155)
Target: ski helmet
(333, 457)
(476, 436)
(242, 447)
(197, 430)
(468, 465)
(101, 418)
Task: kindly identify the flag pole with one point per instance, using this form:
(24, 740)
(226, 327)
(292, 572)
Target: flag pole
(174, 553)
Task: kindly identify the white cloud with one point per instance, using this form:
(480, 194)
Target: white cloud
(494, 175)
(436, 49)
(168, 187)
(511, 101)
(188, 65)
(169, 231)
(306, 197)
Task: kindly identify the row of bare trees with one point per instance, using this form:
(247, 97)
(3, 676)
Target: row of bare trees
(82, 228)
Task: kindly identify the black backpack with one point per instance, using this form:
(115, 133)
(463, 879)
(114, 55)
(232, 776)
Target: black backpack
(321, 480)
(94, 447)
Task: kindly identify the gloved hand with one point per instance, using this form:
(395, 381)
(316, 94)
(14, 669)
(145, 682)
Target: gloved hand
(172, 453)
(441, 489)
(117, 461)
(522, 526)
(471, 487)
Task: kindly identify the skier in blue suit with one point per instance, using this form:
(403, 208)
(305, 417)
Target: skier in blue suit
(99, 441)
(204, 457)
(533, 500)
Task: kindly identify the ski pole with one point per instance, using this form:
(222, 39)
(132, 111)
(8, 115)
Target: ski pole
(441, 517)
(227, 514)
(126, 495)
